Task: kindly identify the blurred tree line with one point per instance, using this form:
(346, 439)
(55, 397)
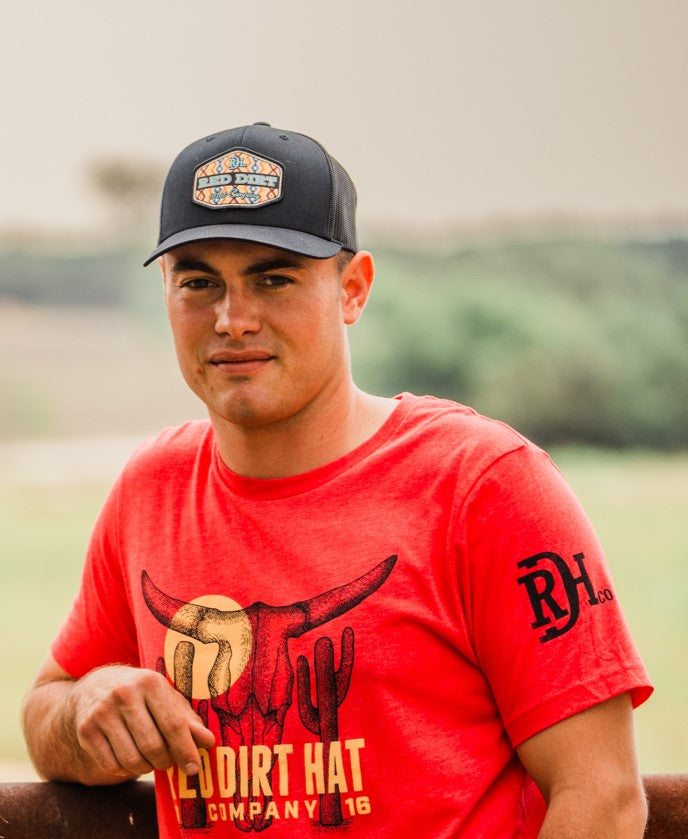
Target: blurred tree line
(571, 340)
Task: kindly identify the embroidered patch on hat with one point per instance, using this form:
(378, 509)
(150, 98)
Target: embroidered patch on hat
(238, 178)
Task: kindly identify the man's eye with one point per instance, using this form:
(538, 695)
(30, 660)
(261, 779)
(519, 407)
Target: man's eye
(197, 284)
(275, 281)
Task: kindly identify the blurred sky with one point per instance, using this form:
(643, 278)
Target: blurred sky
(446, 112)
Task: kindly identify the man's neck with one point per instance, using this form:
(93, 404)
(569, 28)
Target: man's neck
(312, 440)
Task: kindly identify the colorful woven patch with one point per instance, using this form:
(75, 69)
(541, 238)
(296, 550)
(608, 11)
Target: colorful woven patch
(238, 178)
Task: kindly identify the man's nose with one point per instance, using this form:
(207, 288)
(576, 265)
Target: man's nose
(236, 315)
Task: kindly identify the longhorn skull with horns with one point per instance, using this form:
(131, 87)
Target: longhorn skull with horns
(252, 710)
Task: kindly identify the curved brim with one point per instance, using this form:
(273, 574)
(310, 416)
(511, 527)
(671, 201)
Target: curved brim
(277, 237)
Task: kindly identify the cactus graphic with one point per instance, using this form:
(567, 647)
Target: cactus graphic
(331, 687)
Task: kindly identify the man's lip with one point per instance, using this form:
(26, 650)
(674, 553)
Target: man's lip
(239, 356)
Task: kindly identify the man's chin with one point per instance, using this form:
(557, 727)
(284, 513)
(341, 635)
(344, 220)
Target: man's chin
(246, 413)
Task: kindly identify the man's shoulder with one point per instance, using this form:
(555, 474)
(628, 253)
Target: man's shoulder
(450, 424)
(172, 448)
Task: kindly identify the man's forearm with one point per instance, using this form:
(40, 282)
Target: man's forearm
(51, 737)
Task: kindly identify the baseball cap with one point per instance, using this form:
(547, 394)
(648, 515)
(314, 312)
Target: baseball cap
(258, 184)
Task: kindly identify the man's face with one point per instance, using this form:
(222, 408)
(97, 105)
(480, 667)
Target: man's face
(259, 332)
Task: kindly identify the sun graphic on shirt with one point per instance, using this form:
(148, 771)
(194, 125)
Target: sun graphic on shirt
(189, 661)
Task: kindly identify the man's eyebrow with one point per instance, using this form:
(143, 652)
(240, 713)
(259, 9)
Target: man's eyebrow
(264, 266)
(181, 266)
(276, 263)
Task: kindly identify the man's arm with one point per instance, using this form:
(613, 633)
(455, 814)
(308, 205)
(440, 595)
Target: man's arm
(586, 768)
(110, 726)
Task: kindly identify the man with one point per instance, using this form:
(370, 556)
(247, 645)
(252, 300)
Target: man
(322, 610)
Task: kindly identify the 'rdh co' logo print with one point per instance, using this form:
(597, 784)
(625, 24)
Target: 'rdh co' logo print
(541, 586)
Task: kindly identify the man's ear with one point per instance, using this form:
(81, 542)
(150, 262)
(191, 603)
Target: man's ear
(357, 279)
(161, 262)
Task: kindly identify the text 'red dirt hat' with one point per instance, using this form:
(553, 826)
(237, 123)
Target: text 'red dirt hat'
(258, 184)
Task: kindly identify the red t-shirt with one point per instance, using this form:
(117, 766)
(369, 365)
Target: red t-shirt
(368, 641)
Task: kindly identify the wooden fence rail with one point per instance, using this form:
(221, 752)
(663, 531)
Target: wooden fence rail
(69, 811)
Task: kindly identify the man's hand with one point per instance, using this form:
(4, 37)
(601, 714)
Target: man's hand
(114, 724)
(131, 721)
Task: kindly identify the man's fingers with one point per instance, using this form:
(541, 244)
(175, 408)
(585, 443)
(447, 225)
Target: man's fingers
(129, 756)
(146, 738)
(203, 737)
(113, 750)
(132, 720)
(182, 730)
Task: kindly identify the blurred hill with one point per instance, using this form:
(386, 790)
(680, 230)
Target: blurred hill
(571, 339)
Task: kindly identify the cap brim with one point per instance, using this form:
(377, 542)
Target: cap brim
(277, 237)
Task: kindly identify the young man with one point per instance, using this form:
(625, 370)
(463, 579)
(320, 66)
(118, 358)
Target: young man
(326, 611)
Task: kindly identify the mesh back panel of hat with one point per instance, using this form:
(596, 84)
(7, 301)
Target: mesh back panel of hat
(343, 208)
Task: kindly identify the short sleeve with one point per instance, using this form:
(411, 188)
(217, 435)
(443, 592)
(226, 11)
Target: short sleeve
(544, 616)
(100, 628)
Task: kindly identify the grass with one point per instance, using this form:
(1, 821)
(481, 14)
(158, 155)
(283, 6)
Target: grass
(637, 502)
(43, 533)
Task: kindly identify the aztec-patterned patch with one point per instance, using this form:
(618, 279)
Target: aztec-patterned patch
(238, 178)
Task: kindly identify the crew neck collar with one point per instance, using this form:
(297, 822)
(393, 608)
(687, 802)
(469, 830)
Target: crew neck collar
(267, 489)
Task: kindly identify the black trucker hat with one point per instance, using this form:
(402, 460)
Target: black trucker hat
(258, 184)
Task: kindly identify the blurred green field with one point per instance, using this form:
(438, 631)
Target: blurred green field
(637, 501)
(43, 532)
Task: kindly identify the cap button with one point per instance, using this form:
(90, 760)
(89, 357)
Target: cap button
(263, 123)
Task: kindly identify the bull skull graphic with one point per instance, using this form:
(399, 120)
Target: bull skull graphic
(252, 710)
